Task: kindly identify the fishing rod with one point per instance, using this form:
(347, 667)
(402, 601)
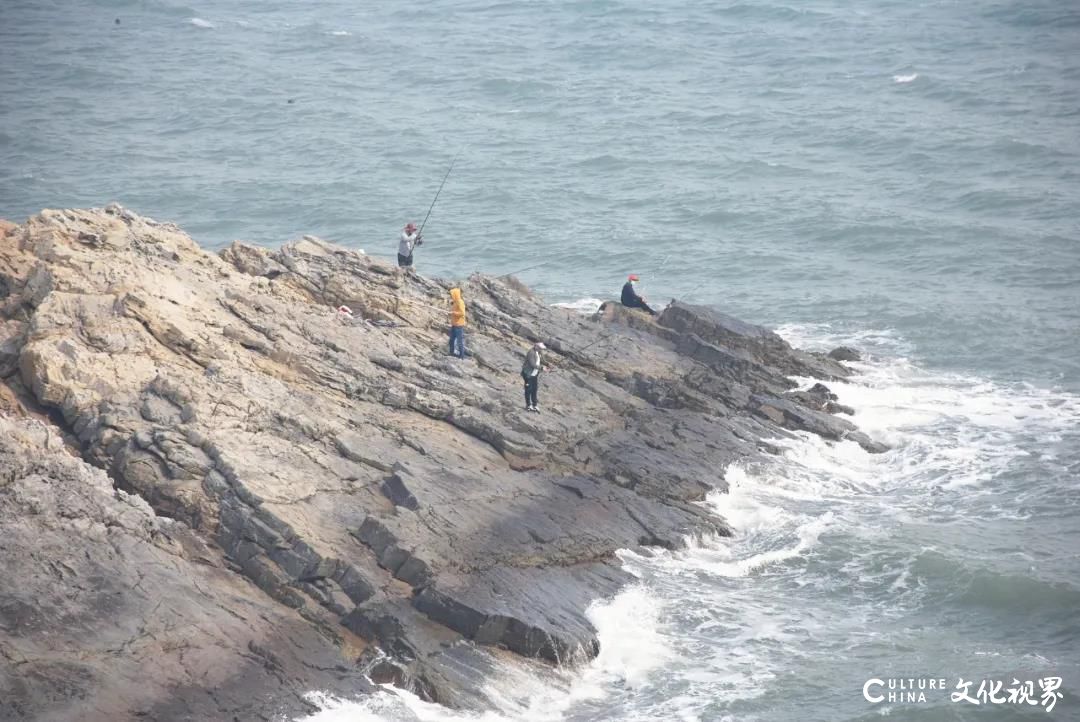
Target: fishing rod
(522, 270)
(605, 337)
(405, 299)
(436, 198)
(537, 265)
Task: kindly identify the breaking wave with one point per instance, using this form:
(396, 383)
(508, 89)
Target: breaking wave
(624, 660)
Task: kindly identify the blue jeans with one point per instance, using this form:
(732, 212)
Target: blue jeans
(457, 341)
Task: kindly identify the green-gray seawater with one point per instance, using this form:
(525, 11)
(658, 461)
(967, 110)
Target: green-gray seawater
(900, 177)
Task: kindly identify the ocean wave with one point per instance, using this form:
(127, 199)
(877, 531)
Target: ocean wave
(1025, 16)
(200, 23)
(908, 78)
(772, 547)
(825, 337)
(526, 87)
(947, 430)
(603, 161)
(626, 661)
(390, 704)
(973, 585)
(768, 12)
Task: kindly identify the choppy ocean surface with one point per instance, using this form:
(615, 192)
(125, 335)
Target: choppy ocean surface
(901, 177)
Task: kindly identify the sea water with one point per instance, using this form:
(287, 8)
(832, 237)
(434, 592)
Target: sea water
(901, 177)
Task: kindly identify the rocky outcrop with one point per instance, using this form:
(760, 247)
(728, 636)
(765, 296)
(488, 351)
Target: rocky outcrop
(845, 353)
(109, 611)
(304, 482)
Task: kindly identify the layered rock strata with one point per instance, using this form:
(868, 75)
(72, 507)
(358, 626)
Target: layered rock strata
(217, 490)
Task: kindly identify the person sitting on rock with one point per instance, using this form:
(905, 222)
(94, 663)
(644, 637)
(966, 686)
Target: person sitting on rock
(410, 239)
(457, 323)
(530, 371)
(630, 297)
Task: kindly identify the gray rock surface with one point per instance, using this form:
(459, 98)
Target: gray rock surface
(309, 482)
(108, 611)
(845, 353)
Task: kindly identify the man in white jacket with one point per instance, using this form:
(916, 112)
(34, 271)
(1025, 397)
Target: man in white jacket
(410, 239)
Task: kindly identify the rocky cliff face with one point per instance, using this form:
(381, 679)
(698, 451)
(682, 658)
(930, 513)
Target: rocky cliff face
(217, 491)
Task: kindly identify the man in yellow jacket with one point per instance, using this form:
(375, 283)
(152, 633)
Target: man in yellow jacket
(457, 324)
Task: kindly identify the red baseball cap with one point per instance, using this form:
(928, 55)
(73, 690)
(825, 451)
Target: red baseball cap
(633, 277)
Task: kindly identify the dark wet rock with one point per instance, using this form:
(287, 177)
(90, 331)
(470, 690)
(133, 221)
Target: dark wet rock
(789, 415)
(821, 398)
(396, 491)
(845, 353)
(821, 391)
(319, 482)
(741, 340)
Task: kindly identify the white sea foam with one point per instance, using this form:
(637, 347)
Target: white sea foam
(629, 658)
(340, 33)
(584, 306)
(389, 705)
(200, 23)
(625, 661)
(732, 560)
(948, 430)
(824, 336)
(905, 78)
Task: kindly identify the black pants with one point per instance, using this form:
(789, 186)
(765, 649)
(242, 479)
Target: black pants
(404, 261)
(638, 303)
(532, 385)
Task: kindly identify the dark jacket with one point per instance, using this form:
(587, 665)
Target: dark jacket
(630, 299)
(533, 363)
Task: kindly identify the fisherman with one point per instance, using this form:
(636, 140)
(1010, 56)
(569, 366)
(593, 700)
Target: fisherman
(630, 297)
(410, 239)
(457, 323)
(530, 371)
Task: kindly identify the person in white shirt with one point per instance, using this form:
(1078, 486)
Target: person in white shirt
(410, 239)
